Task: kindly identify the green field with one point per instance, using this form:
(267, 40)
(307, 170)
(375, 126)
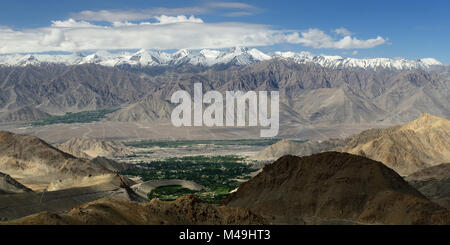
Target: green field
(216, 173)
(169, 193)
(78, 117)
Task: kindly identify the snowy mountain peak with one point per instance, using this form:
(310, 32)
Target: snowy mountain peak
(431, 61)
(238, 49)
(208, 57)
(181, 53)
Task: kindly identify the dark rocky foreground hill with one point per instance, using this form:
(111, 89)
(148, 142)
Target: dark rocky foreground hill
(325, 188)
(187, 210)
(335, 187)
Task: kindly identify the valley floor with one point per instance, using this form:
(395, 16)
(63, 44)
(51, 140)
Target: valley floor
(124, 131)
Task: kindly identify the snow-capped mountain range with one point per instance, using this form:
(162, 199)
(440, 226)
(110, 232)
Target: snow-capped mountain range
(208, 57)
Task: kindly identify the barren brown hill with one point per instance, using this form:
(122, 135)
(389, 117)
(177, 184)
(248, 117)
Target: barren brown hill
(187, 210)
(433, 182)
(18, 205)
(38, 165)
(90, 148)
(333, 185)
(287, 147)
(407, 148)
(22, 114)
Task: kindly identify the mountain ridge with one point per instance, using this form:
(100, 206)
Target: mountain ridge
(240, 56)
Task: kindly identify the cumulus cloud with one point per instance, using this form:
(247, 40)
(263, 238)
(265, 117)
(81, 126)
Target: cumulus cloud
(165, 32)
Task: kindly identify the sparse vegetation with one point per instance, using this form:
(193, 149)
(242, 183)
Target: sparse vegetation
(78, 117)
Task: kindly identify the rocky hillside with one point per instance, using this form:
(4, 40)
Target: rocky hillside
(9, 185)
(187, 210)
(335, 186)
(310, 94)
(407, 148)
(287, 147)
(37, 164)
(91, 148)
(433, 182)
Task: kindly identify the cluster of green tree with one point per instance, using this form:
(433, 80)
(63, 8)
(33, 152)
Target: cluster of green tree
(169, 193)
(78, 117)
(217, 173)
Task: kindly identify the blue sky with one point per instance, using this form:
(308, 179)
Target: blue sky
(409, 29)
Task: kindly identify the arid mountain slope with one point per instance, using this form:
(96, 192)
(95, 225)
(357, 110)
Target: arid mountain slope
(433, 182)
(57, 89)
(36, 164)
(22, 114)
(407, 148)
(91, 148)
(287, 147)
(13, 206)
(334, 185)
(9, 185)
(309, 94)
(187, 210)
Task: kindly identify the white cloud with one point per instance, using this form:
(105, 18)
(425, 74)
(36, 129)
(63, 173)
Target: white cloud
(164, 19)
(167, 32)
(231, 5)
(343, 31)
(319, 39)
(161, 20)
(238, 13)
(71, 23)
(222, 8)
(354, 43)
(133, 15)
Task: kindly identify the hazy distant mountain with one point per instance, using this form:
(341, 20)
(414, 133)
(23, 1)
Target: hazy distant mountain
(310, 94)
(206, 57)
(335, 188)
(59, 89)
(21, 114)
